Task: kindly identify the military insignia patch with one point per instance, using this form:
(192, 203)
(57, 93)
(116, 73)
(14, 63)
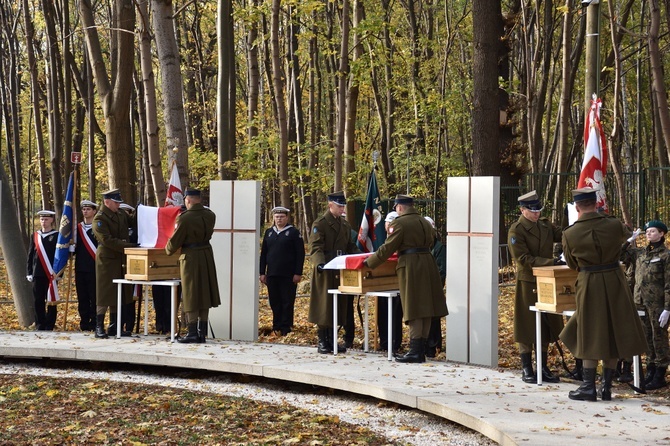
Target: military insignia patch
(315, 230)
(99, 223)
(513, 239)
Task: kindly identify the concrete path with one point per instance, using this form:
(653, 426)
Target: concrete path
(491, 401)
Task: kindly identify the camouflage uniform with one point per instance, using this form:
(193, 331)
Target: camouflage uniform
(652, 292)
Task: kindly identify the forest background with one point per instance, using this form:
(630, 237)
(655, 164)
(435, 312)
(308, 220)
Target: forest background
(303, 95)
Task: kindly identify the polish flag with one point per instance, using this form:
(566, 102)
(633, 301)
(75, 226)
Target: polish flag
(594, 166)
(175, 194)
(155, 225)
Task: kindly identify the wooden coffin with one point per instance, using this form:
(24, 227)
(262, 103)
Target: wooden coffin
(364, 280)
(151, 264)
(555, 288)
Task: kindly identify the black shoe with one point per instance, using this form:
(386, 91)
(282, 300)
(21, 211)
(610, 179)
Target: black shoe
(587, 391)
(658, 381)
(527, 373)
(431, 352)
(548, 376)
(192, 335)
(415, 354)
(625, 376)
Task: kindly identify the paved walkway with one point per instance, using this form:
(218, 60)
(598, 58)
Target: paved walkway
(494, 402)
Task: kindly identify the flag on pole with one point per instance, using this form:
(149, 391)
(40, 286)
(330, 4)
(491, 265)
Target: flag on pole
(155, 225)
(594, 166)
(175, 194)
(65, 231)
(372, 233)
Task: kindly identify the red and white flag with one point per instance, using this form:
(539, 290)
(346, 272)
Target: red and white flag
(155, 225)
(594, 167)
(175, 194)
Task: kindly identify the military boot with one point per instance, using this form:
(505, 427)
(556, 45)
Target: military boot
(606, 388)
(415, 353)
(547, 374)
(192, 335)
(587, 391)
(658, 381)
(202, 331)
(100, 327)
(626, 375)
(651, 371)
(323, 346)
(527, 373)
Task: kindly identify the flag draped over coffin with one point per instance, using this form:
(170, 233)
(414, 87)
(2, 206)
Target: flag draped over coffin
(155, 225)
(372, 233)
(594, 167)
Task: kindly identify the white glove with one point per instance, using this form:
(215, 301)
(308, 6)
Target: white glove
(29, 278)
(71, 248)
(663, 320)
(633, 237)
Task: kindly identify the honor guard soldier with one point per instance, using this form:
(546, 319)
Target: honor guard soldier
(40, 270)
(421, 290)
(330, 236)
(110, 227)
(531, 242)
(281, 263)
(200, 289)
(592, 246)
(85, 249)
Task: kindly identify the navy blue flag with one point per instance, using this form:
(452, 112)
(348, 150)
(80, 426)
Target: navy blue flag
(65, 231)
(372, 233)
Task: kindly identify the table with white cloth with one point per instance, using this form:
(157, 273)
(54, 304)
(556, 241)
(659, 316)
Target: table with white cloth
(174, 286)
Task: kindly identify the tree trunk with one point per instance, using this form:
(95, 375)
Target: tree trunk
(278, 87)
(342, 74)
(226, 92)
(162, 16)
(14, 252)
(151, 114)
(352, 102)
(115, 98)
(46, 197)
(658, 83)
(487, 31)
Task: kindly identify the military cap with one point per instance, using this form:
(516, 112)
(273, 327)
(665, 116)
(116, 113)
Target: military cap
(87, 203)
(658, 224)
(112, 194)
(192, 193)
(403, 199)
(530, 201)
(338, 198)
(391, 216)
(127, 207)
(46, 213)
(584, 193)
(280, 210)
(431, 221)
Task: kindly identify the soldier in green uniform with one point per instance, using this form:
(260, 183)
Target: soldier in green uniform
(200, 288)
(652, 292)
(531, 242)
(592, 246)
(330, 236)
(421, 290)
(110, 227)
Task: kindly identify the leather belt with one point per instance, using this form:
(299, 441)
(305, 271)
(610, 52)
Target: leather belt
(195, 245)
(598, 268)
(413, 251)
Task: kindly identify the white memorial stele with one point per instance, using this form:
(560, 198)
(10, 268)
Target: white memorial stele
(473, 214)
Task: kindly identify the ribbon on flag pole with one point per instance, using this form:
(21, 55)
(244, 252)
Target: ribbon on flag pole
(594, 166)
(372, 233)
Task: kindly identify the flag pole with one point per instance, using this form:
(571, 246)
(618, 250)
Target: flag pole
(71, 256)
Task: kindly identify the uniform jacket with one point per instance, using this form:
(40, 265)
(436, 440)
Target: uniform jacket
(111, 231)
(200, 288)
(34, 267)
(532, 244)
(440, 255)
(421, 290)
(282, 252)
(328, 235)
(83, 261)
(652, 274)
(605, 324)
